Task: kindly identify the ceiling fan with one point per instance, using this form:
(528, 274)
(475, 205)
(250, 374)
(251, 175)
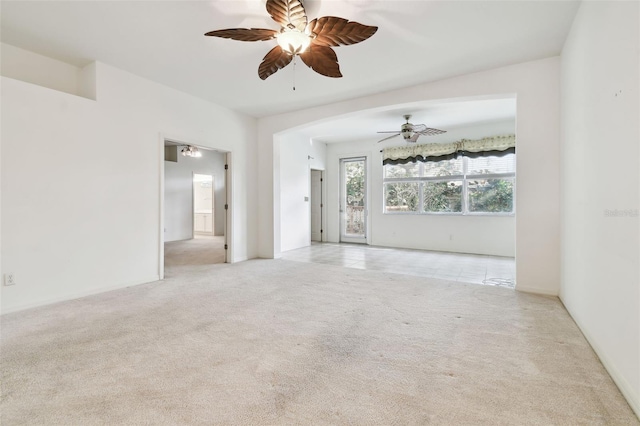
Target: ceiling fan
(411, 132)
(312, 41)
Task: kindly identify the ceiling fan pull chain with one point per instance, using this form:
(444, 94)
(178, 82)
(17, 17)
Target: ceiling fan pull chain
(294, 72)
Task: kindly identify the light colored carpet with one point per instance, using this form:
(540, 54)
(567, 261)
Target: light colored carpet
(201, 250)
(270, 342)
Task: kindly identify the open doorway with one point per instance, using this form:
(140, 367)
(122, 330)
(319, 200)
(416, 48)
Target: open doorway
(195, 206)
(203, 203)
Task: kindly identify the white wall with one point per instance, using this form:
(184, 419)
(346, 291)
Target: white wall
(536, 85)
(491, 235)
(600, 173)
(81, 182)
(178, 193)
(41, 70)
(295, 178)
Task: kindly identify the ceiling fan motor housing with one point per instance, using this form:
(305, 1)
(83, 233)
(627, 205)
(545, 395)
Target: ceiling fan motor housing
(407, 130)
(411, 132)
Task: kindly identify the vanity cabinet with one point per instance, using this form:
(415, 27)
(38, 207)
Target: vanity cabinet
(203, 222)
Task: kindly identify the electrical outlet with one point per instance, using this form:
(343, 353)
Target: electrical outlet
(9, 279)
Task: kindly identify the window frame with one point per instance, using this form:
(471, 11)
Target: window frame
(464, 177)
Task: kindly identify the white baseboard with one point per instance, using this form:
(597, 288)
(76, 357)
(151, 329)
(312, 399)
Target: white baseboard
(75, 295)
(632, 397)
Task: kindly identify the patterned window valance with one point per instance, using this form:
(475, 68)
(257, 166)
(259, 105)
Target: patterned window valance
(491, 146)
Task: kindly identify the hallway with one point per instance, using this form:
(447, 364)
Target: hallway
(201, 250)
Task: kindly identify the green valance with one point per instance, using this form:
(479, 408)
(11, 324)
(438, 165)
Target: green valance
(490, 146)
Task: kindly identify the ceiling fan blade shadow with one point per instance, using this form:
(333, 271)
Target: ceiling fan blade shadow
(313, 7)
(323, 60)
(273, 61)
(244, 34)
(390, 137)
(288, 13)
(394, 22)
(333, 31)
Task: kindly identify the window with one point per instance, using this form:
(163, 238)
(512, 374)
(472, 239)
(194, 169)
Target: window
(483, 185)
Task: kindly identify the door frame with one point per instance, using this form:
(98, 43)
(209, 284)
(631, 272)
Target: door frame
(228, 226)
(342, 204)
(228, 208)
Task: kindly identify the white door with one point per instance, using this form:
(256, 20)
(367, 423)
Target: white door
(353, 200)
(316, 205)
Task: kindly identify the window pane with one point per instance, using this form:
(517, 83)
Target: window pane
(444, 196)
(487, 165)
(354, 181)
(443, 168)
(402, 170)
(401, 197)
(490, 195)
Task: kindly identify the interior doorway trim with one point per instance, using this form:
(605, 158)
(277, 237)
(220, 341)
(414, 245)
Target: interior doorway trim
(228, 226)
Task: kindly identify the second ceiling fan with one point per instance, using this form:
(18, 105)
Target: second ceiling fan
(411, 132)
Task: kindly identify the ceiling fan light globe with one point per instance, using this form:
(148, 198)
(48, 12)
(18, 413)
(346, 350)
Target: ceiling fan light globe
(293, 41)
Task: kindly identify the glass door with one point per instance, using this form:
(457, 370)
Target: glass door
(353, 200)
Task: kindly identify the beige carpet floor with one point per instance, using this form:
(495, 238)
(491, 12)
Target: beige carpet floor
(201, 250)
(270, 342)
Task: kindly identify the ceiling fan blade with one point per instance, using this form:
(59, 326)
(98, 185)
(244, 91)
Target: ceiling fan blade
(414, 138)
(333, 31)
(323, 60)
(429, 131)
(244, 34)
(273, 61)
(418, 127)
(389, 137)
(288, 13)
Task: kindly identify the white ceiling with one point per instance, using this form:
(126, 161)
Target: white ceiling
(447, 116)
(417, 41)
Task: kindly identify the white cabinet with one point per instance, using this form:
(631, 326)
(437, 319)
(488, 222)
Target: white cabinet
(203, 223)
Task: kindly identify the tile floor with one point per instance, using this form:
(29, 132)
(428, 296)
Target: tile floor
(468, 268)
